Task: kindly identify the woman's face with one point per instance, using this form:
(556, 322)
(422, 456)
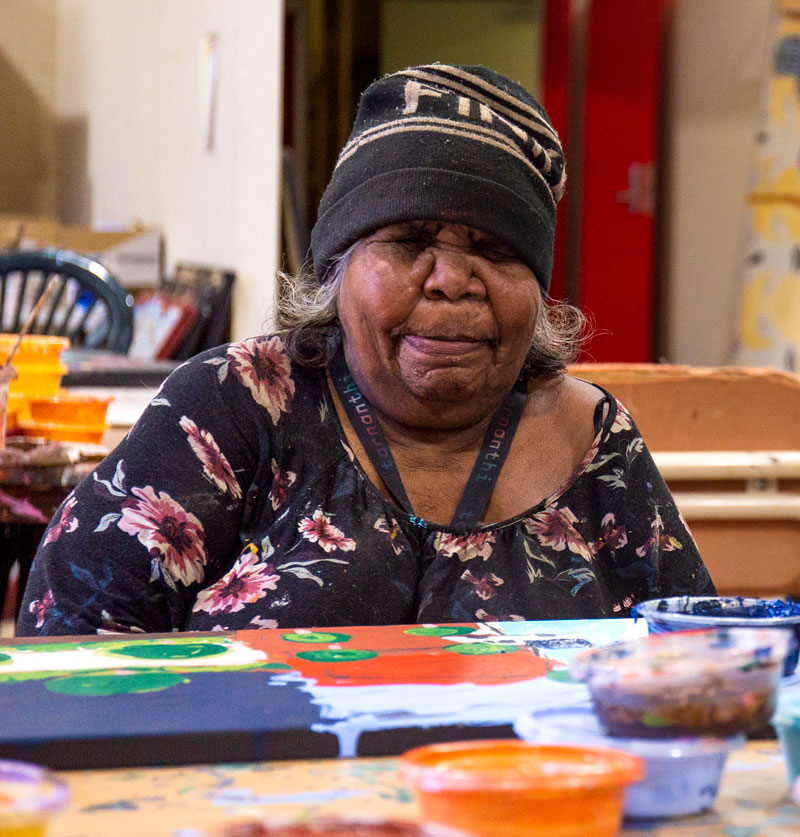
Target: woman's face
(437, 320)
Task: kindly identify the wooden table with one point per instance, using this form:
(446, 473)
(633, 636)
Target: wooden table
(184, 801)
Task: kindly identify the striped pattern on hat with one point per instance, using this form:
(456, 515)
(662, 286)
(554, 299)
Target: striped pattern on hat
(441, 142)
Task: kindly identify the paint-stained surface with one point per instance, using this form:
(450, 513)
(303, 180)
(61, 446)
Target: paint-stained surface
(189, 801)
(252, 695)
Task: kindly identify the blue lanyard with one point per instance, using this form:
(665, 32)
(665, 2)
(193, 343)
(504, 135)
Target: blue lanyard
(492, 455)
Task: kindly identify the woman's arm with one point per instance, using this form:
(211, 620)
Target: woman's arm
(130, 547)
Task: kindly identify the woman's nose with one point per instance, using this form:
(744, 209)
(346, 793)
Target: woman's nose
(452, 276)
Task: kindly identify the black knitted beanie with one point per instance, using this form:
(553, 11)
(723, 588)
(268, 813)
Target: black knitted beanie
(438, 142)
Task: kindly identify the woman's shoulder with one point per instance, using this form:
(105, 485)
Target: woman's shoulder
(249, 380)
(256, 362)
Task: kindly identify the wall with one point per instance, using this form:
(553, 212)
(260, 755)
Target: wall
(131, 129)
(502, 34)
(27, 85)
(716, 60)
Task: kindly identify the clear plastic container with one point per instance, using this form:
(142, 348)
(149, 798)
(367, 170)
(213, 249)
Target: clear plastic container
(29, 797)
(681, 775)
(507, 788)
(700, 683)
(691, 613)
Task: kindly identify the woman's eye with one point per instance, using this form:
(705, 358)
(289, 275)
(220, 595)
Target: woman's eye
(496, 253)
(414, 243)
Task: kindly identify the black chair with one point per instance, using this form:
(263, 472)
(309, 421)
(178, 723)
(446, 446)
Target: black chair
(88, 305)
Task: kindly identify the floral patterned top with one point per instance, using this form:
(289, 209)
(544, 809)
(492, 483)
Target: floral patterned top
(236, 502)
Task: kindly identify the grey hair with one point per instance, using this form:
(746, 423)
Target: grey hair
(307, 320)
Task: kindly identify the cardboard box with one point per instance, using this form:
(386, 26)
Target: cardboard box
(683, 408)
(742, 503)
(134, 256)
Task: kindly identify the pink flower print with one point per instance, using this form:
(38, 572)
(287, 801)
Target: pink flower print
(67, 522)
(318, 529)
(391, 531)
(622, 420)
(465, 547)
(263, 367)
(280, 483)
(483, 583)
(658, 539)
(246, 582)
(167, 531)
(614, 537)
(626, 603)
(216, 467)
(41, 606)
(554, 528)
(586, 460)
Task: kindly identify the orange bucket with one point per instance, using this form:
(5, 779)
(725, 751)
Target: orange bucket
(507, 788)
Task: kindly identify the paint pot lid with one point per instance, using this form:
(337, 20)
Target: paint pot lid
(579, 724)
(506, 764)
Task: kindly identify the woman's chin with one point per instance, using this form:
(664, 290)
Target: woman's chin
(450, 397)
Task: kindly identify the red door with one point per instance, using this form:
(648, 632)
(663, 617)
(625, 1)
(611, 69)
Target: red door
(609, 122)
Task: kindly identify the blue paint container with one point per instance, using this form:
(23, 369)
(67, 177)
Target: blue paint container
(689, 613)
(681, 775)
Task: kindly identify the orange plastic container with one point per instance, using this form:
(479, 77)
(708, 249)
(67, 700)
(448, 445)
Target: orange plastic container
(37, 362)
(507, 788)
(61, 433)
(64, 407)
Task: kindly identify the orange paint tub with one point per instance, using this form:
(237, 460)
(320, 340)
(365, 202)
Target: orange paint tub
(507, 788)
(37, 363)
(68, 408)
(54, 432)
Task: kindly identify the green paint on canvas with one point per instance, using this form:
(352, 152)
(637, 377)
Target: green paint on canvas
(470, 648)
(440, 630)
(169, 651)
(317, 636)
(337, 655)
(114, 684)
(560, 676)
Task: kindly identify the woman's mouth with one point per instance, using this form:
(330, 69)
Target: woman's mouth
(443, 345)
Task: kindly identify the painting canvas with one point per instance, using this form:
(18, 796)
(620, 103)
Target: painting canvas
(112, 701)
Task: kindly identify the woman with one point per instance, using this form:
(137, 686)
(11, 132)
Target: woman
(406, 447)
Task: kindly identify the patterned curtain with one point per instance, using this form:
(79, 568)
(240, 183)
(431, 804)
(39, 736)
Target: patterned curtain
(768, 330)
